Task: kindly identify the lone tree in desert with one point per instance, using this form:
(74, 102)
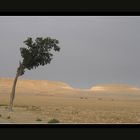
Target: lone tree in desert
(36, 53)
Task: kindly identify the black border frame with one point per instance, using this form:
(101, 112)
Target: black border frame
(70, 130)
(71, 13)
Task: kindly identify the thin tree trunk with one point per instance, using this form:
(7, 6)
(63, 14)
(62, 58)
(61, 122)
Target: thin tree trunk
(13, 91)
(20, 71)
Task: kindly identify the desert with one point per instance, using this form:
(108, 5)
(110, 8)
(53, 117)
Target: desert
(40, 101)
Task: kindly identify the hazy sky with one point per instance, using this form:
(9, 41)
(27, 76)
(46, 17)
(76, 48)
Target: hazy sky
(94, 49)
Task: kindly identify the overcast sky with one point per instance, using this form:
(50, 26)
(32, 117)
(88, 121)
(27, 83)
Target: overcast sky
(94, 49)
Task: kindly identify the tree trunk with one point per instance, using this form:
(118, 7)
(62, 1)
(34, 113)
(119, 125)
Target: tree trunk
(20, 71)
(13, 91)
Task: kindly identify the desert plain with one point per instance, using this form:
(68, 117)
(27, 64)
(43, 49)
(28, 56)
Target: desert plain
(39, 101)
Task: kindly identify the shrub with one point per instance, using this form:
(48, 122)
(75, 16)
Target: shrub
(38, 119)
(53, 121)
(8, 117)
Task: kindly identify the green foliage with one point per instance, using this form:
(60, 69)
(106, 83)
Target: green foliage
(38, 119)
(38, 52)
(53, 121)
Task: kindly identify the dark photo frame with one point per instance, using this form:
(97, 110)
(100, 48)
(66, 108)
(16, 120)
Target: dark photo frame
(70, 8)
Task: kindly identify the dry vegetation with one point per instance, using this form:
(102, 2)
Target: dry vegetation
(42, 101)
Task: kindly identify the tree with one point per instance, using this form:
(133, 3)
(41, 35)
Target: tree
(36, 53)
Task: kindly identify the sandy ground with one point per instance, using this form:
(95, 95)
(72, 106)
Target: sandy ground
(70, 106)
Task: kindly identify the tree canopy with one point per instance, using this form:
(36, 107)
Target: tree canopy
(38, 52)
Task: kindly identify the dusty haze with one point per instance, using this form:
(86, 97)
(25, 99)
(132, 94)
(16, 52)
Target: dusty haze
(94, 49)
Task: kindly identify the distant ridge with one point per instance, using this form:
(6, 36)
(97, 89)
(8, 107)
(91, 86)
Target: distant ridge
(33, 85)
(46, 86)
(114, 88)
